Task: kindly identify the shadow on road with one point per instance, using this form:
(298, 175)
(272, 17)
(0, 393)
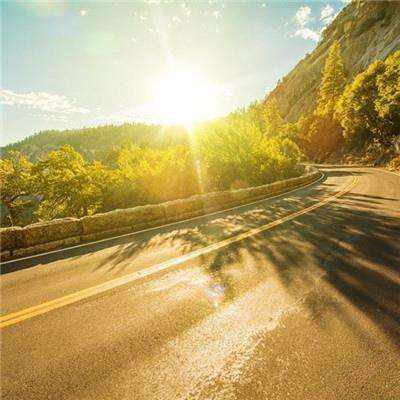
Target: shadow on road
(350, 244)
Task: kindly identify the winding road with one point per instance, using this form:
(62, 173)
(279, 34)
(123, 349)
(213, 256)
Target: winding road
(295, 297)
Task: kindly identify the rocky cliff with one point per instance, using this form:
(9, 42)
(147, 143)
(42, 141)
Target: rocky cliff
(366, 31)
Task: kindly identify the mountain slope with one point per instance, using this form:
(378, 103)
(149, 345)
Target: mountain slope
(366, 31)
(97, 142)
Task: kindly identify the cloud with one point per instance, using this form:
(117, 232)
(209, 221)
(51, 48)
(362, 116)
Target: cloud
(307, 33)
(303, 16)
(327, 11)
(41, 101)
(328, 14)
(82, 13)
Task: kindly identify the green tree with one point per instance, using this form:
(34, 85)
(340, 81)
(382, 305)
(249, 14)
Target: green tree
(356, 108)
(67, 186)
(332, 82)
(16, 186)
(155, 175)
(273, 120)
(265, 115)
(387, 103)
(319, 136)
(320, 133)
(234, 151)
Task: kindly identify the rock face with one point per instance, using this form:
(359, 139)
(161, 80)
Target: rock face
(366, 31)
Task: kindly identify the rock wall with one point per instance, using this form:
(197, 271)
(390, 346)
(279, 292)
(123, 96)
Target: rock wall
(46, 236)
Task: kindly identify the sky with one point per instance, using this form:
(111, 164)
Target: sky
(72, 64)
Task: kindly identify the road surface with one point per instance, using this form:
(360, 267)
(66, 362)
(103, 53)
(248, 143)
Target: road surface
(307, 307)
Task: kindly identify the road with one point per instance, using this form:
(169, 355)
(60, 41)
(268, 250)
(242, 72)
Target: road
(307, 307)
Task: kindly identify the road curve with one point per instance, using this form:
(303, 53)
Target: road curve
(298, 297)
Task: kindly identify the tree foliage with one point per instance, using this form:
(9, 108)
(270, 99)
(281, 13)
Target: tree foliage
(249, 147)
(332, 82)
(236, 152)
(67, 185)
(16, 185)
(320, 133)
(369, 108)
(366, 110)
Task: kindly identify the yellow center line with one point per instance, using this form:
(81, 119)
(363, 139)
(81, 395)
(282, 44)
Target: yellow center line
(27, 313)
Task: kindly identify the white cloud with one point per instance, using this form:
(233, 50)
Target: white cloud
(82, 13)
(143, 18)
(303, 16)
(307, 33)
(263, 5)
(41, 101)
(327, 12)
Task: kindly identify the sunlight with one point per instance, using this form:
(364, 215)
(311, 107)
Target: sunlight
(182, 98)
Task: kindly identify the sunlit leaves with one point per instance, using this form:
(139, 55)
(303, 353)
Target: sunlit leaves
(370, 105)
(16, 185)
(332, 82)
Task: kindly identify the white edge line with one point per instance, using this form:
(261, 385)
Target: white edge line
(386, 170)
(161, 226)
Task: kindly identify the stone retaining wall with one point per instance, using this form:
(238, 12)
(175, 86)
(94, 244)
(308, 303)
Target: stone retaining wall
(45, 236)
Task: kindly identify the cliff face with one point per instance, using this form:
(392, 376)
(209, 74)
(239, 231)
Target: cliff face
(366, 31)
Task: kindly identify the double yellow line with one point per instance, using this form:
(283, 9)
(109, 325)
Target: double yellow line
(30, 312)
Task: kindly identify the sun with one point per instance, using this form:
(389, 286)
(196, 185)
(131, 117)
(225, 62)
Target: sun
(183, 98)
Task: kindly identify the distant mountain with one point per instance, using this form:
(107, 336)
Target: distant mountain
(366, 31)
(97, 143)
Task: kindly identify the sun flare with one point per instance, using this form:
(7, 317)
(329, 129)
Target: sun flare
(183, 98)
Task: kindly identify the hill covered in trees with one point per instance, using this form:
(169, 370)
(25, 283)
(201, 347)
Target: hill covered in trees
(249, 147)
(97, 143)
(365, 30)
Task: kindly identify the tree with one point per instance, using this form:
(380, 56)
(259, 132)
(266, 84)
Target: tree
(234, 151)
(319, 136)
(356, 108)
(272, 117)
(155, 175)
(67, 186)
(266, 116)
(387, 103)
(332, 82)
(320, 133)
(16, 185)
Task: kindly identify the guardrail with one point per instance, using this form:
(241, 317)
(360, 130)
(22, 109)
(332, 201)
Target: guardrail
(41, 237)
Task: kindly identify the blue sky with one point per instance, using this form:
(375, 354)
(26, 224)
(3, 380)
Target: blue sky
(71, 64)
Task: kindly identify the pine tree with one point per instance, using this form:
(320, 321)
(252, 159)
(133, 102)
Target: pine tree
(332, 82)
(272, 118)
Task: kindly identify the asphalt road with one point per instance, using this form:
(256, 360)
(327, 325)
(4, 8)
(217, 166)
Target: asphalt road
(307, 307)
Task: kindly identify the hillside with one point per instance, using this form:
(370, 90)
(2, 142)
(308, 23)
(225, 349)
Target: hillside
(96, 143)
(365, 30)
